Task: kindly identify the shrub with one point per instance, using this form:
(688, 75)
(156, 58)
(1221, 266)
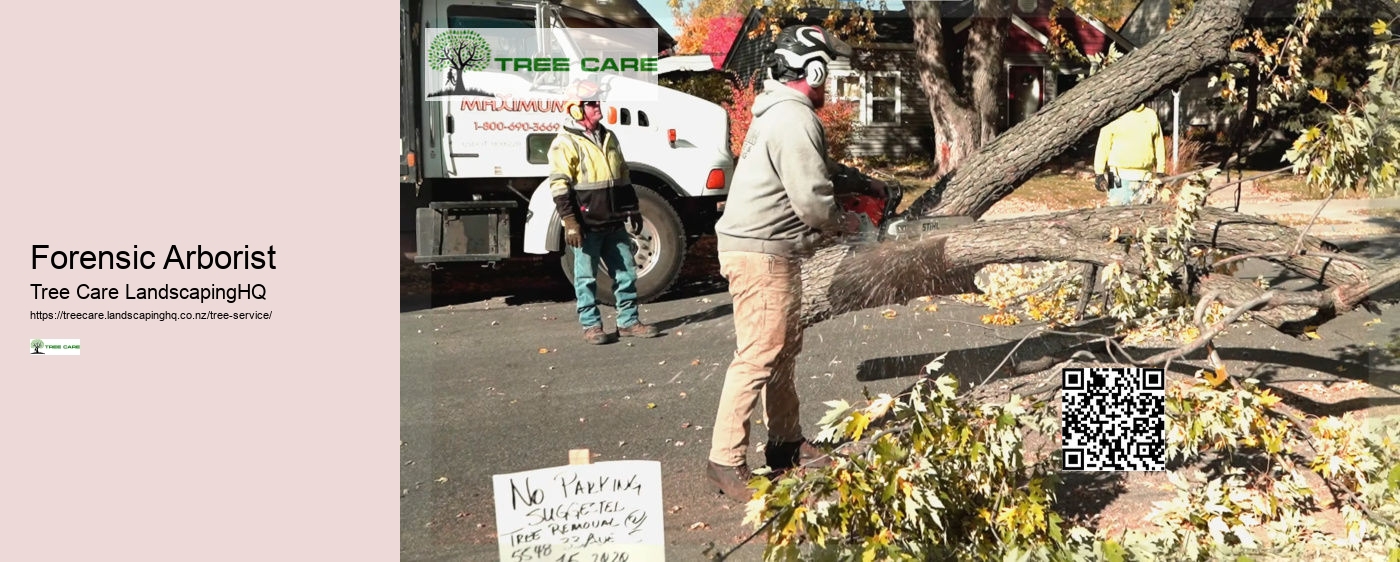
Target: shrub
(1188, 155)
(838, 118)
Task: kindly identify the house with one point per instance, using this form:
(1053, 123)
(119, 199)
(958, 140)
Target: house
(894, 117)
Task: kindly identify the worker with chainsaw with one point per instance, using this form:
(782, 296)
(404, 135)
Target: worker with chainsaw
(596, 202)
(1129, 151)
(782, 204)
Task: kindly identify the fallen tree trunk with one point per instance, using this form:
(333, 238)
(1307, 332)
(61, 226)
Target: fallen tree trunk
(1201, 41)
(843, 278)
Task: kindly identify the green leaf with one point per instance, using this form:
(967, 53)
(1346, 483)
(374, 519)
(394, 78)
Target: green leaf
(1112, 551)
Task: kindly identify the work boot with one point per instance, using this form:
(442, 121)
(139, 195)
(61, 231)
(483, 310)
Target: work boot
(638, 330)
(732, 481)
(595, 335)
(784, 456)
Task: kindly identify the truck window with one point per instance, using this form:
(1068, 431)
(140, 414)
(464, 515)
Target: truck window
(626, 118)
(498, 17)
(642, 120)
(483, 17)
(537, 147)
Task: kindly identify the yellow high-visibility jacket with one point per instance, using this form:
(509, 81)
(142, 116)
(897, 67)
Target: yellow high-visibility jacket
(588, 180)
(1132, 142)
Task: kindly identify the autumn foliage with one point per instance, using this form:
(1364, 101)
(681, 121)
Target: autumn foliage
(838, 119)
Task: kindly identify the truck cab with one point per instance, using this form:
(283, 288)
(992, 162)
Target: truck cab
(474, 146)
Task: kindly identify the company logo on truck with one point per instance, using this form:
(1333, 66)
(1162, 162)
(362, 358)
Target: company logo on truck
(508, 63)
(457, 51)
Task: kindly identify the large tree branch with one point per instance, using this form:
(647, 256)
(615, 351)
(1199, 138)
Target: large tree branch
(1202, 40)
(848, 277)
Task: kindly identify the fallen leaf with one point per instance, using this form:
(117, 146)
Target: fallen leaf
(544, 350)
(663, 362)
(1311, 331)
(651, 405)
(682, 395)
(680, 443)
(685, 425)
(699, 525)
(931, 308)
(442, 479)
(695, 363)
(1372, 322)
(675, 509)
(889, 313)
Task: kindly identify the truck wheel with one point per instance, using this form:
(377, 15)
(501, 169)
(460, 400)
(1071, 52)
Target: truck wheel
(660, 250)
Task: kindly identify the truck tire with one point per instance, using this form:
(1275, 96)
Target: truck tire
(660, 250)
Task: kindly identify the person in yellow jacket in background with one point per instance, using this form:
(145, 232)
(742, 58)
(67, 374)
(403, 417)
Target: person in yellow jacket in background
(1130, 150)
(593, 193)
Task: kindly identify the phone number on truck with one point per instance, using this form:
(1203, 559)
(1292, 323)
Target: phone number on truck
(503, 126)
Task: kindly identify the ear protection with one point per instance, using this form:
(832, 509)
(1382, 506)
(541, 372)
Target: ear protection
(575, 110)
(815, 73)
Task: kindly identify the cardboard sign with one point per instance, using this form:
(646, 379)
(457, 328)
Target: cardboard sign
(605, 512)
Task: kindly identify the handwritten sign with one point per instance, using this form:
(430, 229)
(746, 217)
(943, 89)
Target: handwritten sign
(604, 512)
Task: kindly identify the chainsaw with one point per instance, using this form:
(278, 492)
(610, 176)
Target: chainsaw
(881, 220)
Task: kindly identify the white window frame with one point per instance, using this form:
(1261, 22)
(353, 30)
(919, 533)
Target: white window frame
(864, 104)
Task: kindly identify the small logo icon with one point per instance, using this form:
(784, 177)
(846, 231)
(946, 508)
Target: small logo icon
(54, 347)
(457, 51)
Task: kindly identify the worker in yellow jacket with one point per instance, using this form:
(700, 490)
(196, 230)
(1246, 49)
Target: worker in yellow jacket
(593, 193)
(1129, 151)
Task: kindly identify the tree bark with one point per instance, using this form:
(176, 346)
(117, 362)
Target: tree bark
(965, 108)
(843, 278)
(984, 178)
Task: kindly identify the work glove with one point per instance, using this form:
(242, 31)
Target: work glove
(634, 223)
(573, 235)
(1101, 182)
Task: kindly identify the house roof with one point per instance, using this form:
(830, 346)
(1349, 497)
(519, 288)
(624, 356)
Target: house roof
(1029, 31)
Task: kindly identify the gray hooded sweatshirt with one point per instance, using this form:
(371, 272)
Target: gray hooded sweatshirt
(782, 197)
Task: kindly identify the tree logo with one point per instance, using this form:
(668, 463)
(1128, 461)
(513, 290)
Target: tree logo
(36, 344)
(457, 51)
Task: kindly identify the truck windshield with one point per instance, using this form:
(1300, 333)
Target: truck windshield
(532, 45)
(482, 17)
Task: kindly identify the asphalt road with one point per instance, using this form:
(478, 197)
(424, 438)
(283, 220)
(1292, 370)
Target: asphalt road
(495, 378)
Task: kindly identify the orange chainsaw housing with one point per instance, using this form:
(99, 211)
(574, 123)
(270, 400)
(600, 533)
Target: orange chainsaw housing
(869, 205)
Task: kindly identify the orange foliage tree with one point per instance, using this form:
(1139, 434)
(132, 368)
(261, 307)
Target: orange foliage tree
(838, 119)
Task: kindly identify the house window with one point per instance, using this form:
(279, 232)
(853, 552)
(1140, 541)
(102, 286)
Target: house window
(882, 98)
(875, 94)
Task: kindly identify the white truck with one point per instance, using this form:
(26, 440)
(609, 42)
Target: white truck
(473, 167)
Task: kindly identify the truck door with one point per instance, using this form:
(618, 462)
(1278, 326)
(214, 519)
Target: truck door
(492, 123)
(408, 93)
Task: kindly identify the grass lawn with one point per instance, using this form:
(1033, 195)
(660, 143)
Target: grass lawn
(1381, 213)
(1055, 190)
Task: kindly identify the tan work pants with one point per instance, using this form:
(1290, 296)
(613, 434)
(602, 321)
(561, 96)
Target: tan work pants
(767, 291)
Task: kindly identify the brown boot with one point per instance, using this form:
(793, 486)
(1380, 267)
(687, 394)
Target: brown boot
(732, 481)
(797, 454)
(638, 330)
(595, 335)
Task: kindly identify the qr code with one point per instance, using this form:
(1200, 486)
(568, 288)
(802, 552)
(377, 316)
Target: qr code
(1113, 419)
